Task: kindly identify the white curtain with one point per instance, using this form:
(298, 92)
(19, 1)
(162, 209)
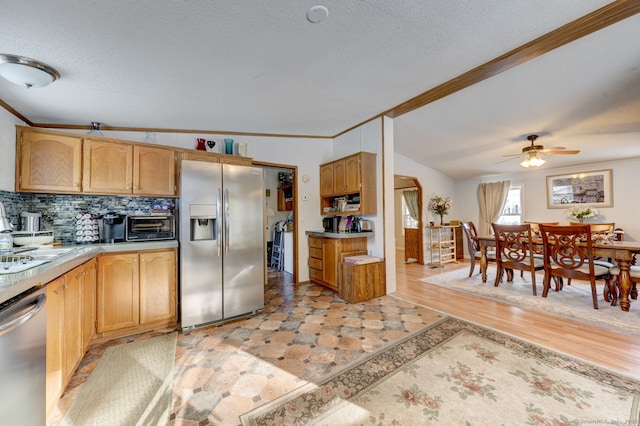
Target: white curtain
(492, 197)
(411, 200)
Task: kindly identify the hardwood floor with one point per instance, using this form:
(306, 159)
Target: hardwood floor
(618, 351)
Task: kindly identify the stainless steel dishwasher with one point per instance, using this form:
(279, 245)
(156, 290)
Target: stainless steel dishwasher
(23, 359)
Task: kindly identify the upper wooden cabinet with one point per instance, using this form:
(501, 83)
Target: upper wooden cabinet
(120, 168)
(351, 178)
(107, 167)
(48, 162)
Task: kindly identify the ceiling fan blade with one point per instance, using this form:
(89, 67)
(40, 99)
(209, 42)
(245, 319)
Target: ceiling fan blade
(513, 155)
(564, 152)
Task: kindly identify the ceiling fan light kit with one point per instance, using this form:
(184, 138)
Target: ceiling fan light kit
(532, 151)
(26, 72)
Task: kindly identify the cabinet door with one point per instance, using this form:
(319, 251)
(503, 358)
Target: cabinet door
(326, 180)
(339, 177)
(118, 291)
(352, 174)
(330, 250)
(107, 167)
(154, 171)
(158, 286)
(72, 339)
(54, 359)
(88, 290)
(49, 163)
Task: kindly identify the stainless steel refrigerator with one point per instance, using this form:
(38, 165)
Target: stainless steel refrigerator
(222, 248)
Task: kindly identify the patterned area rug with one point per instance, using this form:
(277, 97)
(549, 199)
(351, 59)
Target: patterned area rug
(573, 301)
(131, 385)
(455, 372)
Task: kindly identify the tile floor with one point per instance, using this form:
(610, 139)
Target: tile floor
(304, 334)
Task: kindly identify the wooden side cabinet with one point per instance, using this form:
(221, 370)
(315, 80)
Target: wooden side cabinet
(47, 163)
(362, 282)
(325, 255)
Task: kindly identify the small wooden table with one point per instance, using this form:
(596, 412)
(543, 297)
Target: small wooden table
(621, 251)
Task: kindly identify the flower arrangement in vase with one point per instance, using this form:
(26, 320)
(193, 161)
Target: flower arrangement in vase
(440, 205)
(582, 213)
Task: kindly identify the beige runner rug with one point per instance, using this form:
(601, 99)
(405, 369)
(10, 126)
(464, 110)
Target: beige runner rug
(131, 385)
(457, 373)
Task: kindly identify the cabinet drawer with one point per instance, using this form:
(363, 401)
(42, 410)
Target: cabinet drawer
(315, 242)
(315, 263)
(315, 252)
(315, 275)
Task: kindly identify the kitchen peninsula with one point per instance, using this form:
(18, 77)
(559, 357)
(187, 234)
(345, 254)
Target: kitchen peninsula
(327, 251)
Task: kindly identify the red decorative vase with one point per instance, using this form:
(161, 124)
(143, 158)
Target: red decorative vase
(201, 144)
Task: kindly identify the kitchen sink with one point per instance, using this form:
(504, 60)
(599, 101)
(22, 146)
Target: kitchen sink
(49, 253)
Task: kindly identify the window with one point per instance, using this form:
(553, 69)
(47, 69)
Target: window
(512, 213)
(407, 220)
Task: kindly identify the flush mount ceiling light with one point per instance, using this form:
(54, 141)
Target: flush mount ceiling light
(533, 160)
(26, 72)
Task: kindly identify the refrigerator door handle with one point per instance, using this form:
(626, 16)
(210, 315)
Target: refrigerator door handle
(226, 221)
(219, 222)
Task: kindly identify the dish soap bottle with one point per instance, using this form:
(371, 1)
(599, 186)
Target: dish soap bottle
(6, 243)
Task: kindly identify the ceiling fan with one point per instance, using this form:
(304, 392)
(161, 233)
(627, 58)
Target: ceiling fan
(532, 151)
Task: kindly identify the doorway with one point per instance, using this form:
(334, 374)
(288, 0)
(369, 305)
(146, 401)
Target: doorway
(409, 231)
(281, 207)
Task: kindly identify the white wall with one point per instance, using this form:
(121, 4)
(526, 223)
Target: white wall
(625, 178)
(8, 124)
(305, 153)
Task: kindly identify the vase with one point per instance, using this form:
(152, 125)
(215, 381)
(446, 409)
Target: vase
(228, 146)
(201, 146)
(441, 220)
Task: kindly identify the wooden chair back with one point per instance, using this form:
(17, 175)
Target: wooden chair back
(568, 253)
(513, 251)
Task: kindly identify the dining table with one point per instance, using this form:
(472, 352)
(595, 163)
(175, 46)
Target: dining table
(622, 251)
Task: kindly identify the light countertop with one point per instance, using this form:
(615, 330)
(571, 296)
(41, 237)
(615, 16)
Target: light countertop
(13, 284)
(323, 234)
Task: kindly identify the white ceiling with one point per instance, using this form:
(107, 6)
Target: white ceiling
(260, 67)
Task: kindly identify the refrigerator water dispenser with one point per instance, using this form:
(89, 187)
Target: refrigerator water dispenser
(202, 219)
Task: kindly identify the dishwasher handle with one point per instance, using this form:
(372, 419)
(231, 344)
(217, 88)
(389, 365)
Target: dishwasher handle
(17, 322)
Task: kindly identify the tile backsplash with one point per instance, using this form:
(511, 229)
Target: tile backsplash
(59, 211)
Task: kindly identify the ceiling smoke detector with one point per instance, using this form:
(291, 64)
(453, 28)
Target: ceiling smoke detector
(317, 14)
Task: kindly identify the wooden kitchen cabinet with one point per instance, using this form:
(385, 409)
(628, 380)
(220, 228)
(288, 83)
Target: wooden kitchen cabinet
(107, 167)
(137, 291)
(325, 256)
(363, 282)
(47, 162)
(122, 169)
(158, 286)
(326, 180)
(69, 308)
(88, 294)
(352, 178)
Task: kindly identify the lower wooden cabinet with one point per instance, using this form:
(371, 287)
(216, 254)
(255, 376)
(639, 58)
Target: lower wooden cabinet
(137, 291)
(362, 282)
(70, 326)
(325, 256)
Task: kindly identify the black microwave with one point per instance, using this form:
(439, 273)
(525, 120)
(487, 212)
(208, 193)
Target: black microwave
(152, 227)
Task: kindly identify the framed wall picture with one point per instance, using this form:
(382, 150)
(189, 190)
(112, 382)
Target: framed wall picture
(592, 188)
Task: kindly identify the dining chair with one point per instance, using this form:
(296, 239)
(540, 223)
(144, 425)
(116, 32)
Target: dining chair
(568, 253)
(535, 227)
(514, 251)
(600, 231)
(473, 246)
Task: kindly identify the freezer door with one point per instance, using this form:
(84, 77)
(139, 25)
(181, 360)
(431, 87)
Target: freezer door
(243, 207)
(200, 243)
